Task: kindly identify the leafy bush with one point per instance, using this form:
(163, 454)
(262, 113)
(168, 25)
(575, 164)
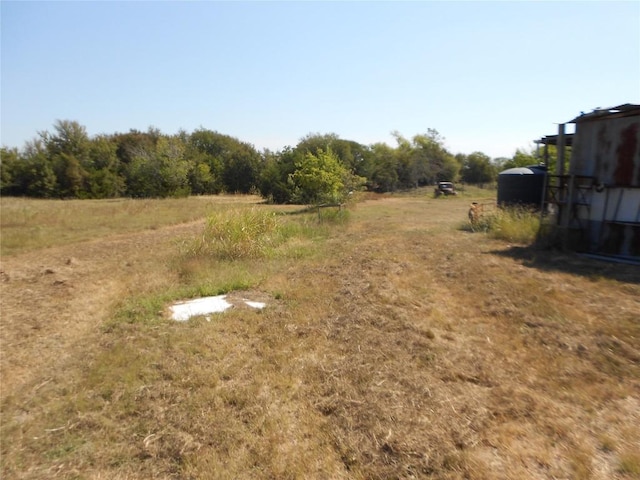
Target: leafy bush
(319, 179)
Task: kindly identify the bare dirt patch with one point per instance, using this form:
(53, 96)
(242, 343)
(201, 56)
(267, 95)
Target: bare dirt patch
(53, 298)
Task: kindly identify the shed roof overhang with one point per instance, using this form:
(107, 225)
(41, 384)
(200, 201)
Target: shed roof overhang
(553, 140)
(625, 110)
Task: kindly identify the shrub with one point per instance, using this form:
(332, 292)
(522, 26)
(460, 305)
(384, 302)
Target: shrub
(513, 224)
(322, 178)
(237, 234)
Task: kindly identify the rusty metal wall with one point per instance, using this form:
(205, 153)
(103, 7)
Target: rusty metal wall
(609, 150)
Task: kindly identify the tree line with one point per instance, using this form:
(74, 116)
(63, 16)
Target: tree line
(68, 163)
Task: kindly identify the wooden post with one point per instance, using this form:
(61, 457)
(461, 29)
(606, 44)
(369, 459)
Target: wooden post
(546, 155)
(567, 213)
(560, 149)
(566, 203)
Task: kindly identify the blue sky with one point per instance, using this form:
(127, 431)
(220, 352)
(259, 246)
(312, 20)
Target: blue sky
(489, 76)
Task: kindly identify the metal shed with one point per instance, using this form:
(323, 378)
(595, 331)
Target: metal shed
(597, 202)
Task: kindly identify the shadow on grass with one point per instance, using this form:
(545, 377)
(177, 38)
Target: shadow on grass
(303, 210)
(557, 261)
(300, 211)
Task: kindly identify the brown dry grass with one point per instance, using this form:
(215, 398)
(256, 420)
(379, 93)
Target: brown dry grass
(29, 224)
(400, 346)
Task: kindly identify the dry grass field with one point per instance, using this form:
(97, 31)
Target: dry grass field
(398, 344)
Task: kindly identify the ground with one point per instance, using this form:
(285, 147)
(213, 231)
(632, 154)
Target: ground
(417, 349)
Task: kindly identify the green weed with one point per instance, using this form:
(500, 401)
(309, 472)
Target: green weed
(513, 224)
(249, 234)
(334, 215)
(238, 234)
(630, 464)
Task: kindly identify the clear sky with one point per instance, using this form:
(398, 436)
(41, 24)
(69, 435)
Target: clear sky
(489, 76)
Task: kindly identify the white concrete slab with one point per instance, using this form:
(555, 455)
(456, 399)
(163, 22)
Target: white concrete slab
(183, 311)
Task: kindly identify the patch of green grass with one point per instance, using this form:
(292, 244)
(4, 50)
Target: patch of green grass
(64, 449)
(338, 216)
(139, 309)
(630, 464)
(149, 308)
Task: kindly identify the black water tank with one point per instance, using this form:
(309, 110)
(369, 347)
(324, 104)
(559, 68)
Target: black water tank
(521, 186)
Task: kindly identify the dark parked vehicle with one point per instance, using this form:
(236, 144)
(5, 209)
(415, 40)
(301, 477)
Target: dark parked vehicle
(445, 188)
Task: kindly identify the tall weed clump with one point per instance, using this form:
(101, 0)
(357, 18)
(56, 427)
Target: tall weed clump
(516, 224)
(336, 216)
(513, 224)
(239, 234)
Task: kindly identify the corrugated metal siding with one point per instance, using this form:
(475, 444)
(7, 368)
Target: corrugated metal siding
(619, 204)
(609, 150)
(603, 212)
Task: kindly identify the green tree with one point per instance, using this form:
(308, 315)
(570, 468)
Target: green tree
(436, 162)
(352, 155)
(241, 169)
(10, 171)
(274, 181)
(70, 175)
(236, 163)
(68, 150)
(205, 152)
(201, 179)
(524, 158)
(406, 167)
(521, 158)
(316, 142)
(383, 174)
(70, 138)
(477, 168)
(133, 144)
(321, 178)
(552, 158)
(499, 163)
(105, 180)
(163, 172)
(173, 167)
(38, 177)
(424, 160)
